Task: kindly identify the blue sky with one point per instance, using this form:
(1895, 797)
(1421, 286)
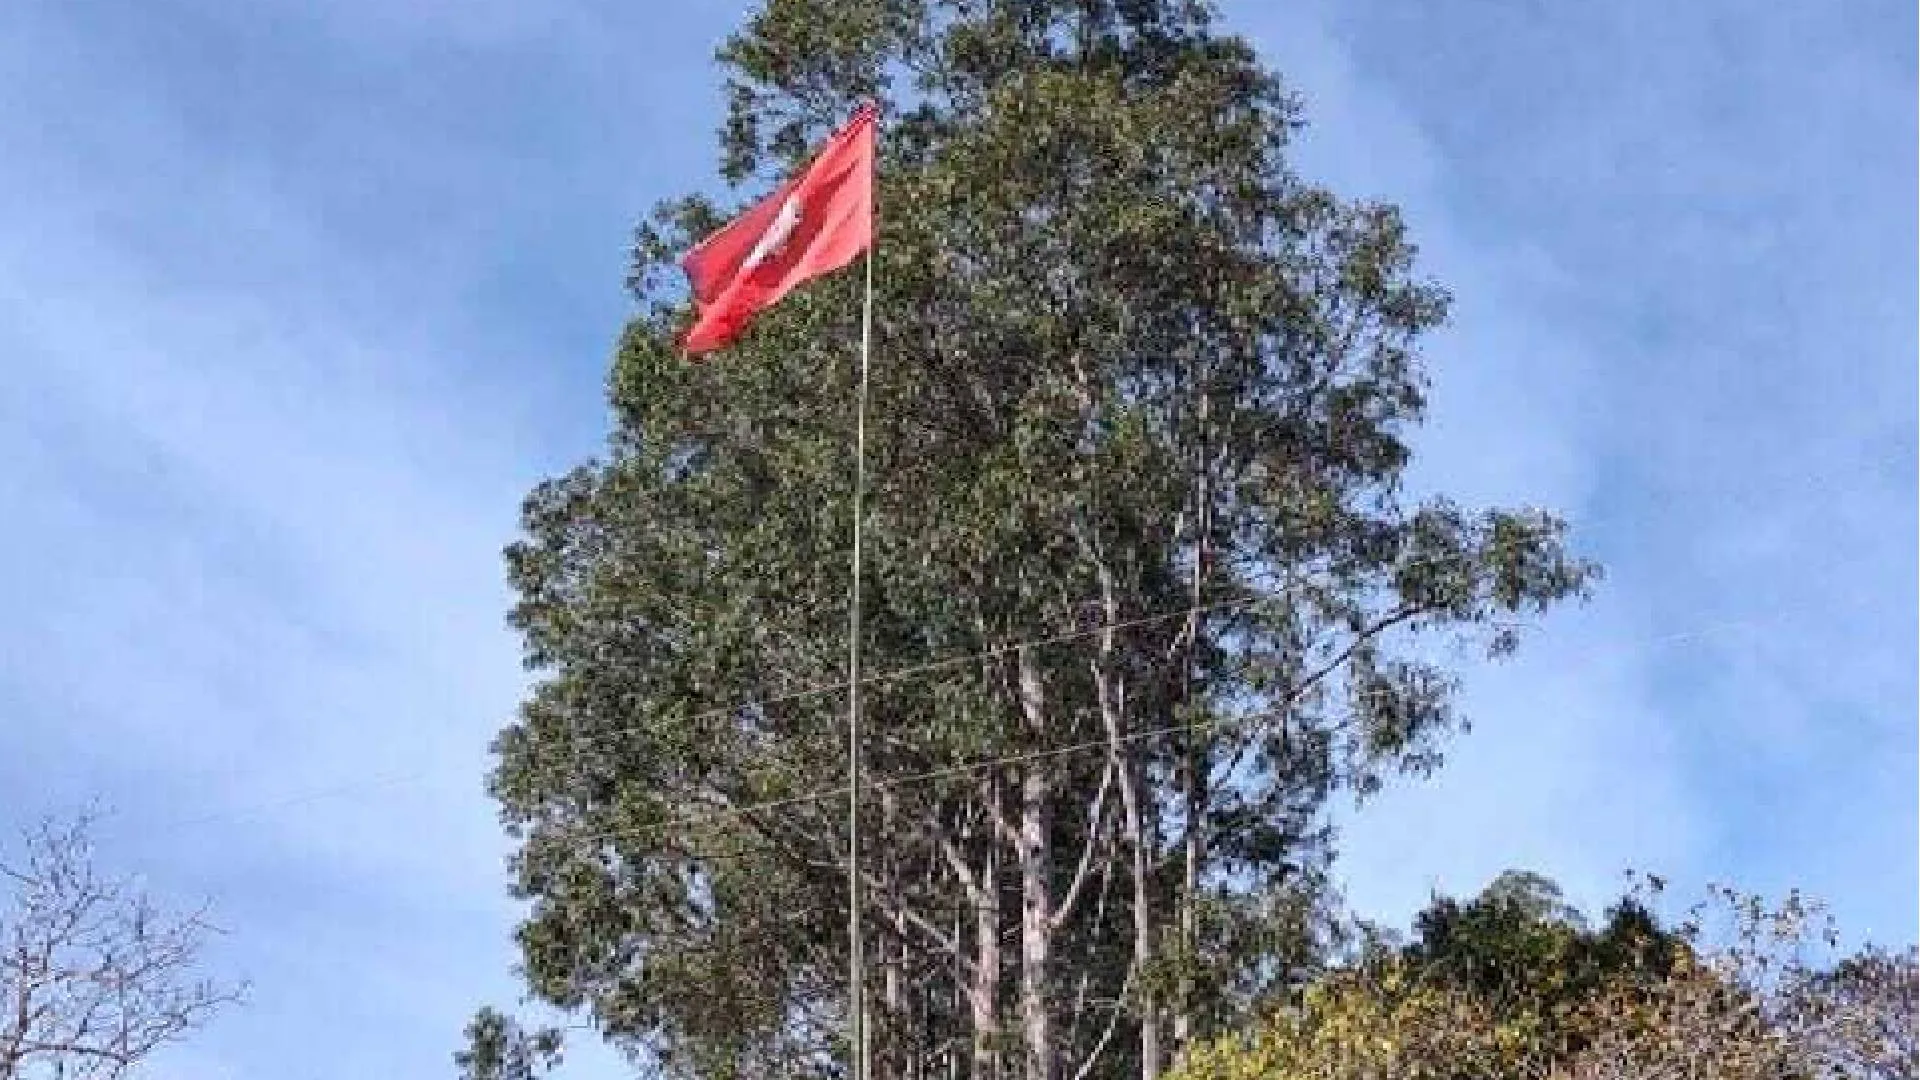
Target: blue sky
(296, 301)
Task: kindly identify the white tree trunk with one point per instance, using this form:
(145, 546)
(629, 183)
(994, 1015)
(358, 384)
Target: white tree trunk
(1035, 853)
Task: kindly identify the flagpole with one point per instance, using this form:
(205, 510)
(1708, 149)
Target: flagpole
(855, 960)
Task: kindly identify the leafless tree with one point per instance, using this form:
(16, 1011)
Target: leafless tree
(94, 976)
(1756, 1007)
(1861, 1020)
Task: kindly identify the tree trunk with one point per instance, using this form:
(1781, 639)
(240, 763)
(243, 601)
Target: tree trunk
(893, 1026)
(1133, 830)
(1197, 759)
(1036, 931)
(1035, 853)
(984, 993)
(1137, 843)
(1110, 692)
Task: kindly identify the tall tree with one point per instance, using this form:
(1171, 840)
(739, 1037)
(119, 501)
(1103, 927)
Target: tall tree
(1136, 448)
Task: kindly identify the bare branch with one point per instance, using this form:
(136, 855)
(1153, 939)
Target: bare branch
(94, 976)
(1096, 832)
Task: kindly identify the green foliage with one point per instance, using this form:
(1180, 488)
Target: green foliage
(498, 1048)
(1512, 986)
(1379, 1025)
(1522, 948)
(1127, 361)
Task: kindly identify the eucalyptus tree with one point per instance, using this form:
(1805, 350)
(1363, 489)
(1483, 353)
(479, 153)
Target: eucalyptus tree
(1144, 589)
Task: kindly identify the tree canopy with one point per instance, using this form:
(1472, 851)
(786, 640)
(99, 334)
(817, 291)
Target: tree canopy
(1502, 988)
(1136, 534)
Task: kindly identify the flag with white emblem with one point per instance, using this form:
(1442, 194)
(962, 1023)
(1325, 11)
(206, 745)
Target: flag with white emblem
(814, 224)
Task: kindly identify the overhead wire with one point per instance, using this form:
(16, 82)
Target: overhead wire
(892, 676)
(725, 813)
(1011, 648)
(883, 678)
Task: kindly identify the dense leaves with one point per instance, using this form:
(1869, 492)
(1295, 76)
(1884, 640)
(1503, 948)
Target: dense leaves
(1519, 988)
(1520, 947)
(1131, 372)
(499, 1048)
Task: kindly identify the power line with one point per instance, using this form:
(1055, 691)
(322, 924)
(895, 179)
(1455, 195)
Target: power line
(351, 788)
(997, 651)
(893, 676)
(356, 787)
(970, 768)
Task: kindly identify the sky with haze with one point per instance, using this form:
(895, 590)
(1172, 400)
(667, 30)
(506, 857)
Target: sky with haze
(297, 300)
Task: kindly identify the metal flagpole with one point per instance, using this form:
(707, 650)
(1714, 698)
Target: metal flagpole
(857, 974)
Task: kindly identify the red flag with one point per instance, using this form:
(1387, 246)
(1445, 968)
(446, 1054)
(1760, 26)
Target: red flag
(811, 225)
